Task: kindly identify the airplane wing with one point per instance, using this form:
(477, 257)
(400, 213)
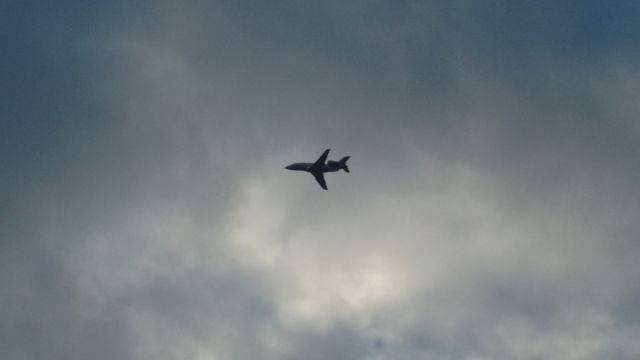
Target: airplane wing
(319, 164)
(320, 179)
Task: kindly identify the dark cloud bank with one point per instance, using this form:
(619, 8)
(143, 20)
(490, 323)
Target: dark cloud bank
(491, 212)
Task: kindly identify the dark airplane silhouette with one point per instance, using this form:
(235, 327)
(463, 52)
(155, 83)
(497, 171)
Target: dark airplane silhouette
(318, 168)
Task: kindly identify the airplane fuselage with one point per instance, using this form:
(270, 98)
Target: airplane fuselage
(330, 166)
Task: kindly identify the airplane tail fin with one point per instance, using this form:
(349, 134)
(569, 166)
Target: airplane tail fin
(343, 163)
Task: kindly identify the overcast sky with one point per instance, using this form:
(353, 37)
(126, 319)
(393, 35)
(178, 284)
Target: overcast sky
(492, 210)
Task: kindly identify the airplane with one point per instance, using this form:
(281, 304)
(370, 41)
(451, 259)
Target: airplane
(318, 168)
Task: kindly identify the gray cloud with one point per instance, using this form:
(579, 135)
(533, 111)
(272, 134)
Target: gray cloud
(490, 213)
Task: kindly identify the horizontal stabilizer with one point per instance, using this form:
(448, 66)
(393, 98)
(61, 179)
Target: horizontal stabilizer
(343, 163)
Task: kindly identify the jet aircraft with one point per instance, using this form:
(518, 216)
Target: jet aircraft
(318, 168)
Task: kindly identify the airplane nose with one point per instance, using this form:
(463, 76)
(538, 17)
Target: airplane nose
(288, 167)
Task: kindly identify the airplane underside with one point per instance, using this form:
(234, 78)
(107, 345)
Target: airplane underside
(318, 168)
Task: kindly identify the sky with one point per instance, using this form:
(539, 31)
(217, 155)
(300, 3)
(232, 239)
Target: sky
(491, 211)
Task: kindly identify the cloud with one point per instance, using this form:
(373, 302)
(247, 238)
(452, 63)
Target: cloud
(490, 213)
